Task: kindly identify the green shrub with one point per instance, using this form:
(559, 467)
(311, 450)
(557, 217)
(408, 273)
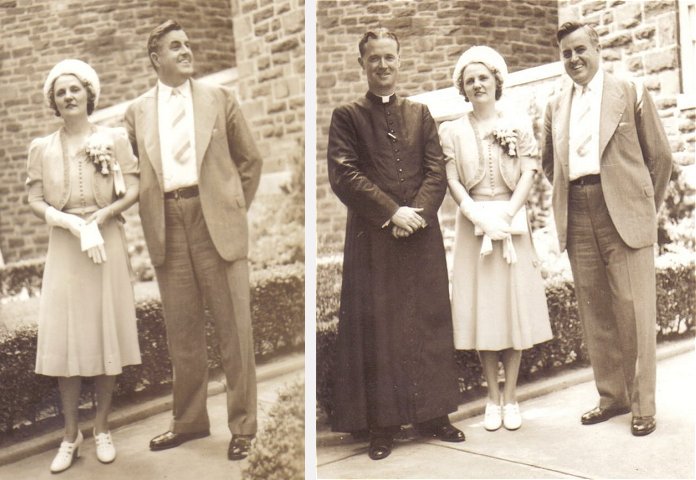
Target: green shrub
(277, 300)
(279, 450)
(24, 275)
(676, 284)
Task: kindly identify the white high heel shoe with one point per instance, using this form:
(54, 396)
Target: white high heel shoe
(106, 452)
(493, 418)
(512, 420)
(67, 453)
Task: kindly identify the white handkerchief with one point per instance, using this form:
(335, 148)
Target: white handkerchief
(90, 236)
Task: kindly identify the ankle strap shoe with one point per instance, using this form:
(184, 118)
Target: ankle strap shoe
(67, 453)
(106, 452)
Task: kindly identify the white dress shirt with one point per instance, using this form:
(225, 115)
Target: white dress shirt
(579, 166)
(175, 174)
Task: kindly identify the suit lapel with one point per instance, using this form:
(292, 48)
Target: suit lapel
(149, 124)
(612, 109)
(562, 132)
(204, 115)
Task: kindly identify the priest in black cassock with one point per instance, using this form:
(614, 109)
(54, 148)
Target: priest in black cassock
(395, 352)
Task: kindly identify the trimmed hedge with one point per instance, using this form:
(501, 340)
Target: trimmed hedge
(277, 300)
(279, 449)
(676, 287)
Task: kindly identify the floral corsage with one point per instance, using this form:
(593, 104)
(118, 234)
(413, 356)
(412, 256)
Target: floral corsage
(507, 138)
(100, 151)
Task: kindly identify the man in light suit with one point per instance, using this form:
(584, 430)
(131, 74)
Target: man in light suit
(607, 155)
(199, 171)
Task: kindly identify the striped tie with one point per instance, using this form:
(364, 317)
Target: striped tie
(584, 126)
(181, 141)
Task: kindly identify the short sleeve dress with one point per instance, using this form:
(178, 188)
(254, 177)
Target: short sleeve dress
(495, 305)
(87, 323)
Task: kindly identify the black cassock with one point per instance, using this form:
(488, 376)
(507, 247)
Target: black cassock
(395, 352)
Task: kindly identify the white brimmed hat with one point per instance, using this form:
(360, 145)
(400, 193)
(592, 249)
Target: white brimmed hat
(479, 54)
(80, 69)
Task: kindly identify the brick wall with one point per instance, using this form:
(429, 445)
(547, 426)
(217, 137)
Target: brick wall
(111, 35)
(432, 36)
(269, 40)
(639, 38)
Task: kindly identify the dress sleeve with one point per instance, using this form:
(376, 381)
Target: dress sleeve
(34, 180)
(527, 150)
(123, 152)
(447, 143)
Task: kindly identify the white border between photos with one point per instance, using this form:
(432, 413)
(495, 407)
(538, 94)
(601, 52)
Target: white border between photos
(310, 241)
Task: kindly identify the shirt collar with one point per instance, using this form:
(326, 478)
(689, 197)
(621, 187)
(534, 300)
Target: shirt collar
(595, 85)
(166, 90)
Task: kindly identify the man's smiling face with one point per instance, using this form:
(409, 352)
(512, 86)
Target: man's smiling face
(580, 56)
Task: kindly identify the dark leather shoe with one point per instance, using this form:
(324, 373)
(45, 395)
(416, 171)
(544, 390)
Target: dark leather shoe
(239, 447)
(599, 414)
(448, 433)
(171, 439)
(641, 426)
(380, 447)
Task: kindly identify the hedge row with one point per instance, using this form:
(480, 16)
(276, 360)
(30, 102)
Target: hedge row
(279, 450)
(277, 299)
(676, 287)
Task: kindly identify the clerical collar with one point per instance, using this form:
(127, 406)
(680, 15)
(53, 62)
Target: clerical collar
(381, 98)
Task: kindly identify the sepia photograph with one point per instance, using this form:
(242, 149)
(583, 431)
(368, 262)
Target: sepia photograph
(505, 239)
(152, 236)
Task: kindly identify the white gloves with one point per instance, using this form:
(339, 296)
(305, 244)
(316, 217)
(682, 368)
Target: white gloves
(56, 218)
(492, 226)
(91, 240)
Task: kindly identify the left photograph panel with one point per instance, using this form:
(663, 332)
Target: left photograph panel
(152, 239)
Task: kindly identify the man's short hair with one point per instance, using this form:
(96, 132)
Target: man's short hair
(569, 27)
(156, 34)
(381, 32)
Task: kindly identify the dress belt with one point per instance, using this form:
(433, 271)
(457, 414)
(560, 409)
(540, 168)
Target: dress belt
(586, 180)
(184, 192)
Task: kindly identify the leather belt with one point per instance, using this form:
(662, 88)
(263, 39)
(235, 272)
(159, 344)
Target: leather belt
(185, 192)
(586, 180)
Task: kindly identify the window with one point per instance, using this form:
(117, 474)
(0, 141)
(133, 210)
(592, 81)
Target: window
(687, 43)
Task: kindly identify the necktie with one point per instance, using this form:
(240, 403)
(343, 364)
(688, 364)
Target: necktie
(181, 143)
(584, 125)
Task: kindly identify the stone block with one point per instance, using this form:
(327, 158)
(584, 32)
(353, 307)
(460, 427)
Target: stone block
(669, 82)
(616, 40)
(661, 60)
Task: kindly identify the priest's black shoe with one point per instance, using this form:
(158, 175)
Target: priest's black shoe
(641, 426)
(599, 414)
(380, 447)
(171, 439)
(239, 447)
(448, 433)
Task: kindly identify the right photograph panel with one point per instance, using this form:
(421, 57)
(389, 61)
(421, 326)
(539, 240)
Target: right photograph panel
(504, 201)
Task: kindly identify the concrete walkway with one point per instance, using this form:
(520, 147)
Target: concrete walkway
(551, 443)
(133, 428)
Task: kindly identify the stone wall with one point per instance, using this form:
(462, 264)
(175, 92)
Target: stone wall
(639, 38)
(269, 40)
(432, 36)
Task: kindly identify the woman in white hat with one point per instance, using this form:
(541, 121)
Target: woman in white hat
(498, 299)
(80, 179)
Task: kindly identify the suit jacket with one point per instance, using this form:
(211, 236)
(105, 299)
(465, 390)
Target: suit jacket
(228, 165)
(635, 159)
